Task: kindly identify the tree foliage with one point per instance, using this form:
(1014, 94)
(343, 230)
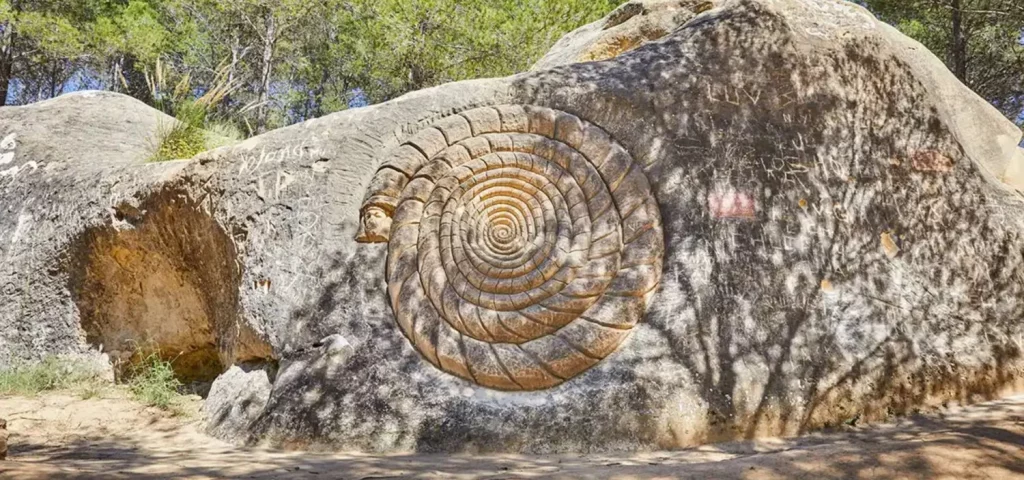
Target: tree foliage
(980, 41)
(289, 60)
(292, 60)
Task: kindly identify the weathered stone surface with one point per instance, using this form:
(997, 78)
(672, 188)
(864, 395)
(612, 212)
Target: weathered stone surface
(68, 164)
(630, 26)
(236, 398)
(93, 241)
(4, 436)
(837, 228)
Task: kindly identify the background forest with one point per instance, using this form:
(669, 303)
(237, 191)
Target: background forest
(241, 67)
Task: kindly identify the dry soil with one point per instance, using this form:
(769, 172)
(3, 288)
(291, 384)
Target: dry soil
(64, 436)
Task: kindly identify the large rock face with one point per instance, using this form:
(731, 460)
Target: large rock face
(779, 216)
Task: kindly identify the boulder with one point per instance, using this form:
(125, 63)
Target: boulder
(779, 215)
(4, 435)
(236, 398)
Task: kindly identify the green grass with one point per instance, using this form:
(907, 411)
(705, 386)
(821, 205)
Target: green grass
(152, 382)
(222, 133)
(194, 130)
(180, 142)
(51, 374)
(185, 138)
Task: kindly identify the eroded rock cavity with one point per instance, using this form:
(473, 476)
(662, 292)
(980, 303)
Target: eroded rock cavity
(163, 278)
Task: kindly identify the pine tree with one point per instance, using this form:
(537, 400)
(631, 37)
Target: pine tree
(980, 41)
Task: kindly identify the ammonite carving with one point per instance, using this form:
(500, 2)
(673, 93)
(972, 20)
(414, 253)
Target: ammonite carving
(523, 244)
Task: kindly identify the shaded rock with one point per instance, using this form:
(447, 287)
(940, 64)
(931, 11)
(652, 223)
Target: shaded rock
(337, 349)
(235, 399)
(779, 216)
(93, 239)
(4, 435)
(69, 163)
(633, 24)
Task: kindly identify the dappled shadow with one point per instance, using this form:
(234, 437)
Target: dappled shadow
(979, 442)
(878, 274)
(881, 273)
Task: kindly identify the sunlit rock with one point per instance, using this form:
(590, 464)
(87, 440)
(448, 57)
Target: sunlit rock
(772, 217)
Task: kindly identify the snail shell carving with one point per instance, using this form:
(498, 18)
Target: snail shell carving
(524, 244)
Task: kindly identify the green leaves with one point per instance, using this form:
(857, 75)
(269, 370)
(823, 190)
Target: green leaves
(291, 60)
(141, 32)
(54, 36)
(135, 30)
(990, 32)
(406, 45)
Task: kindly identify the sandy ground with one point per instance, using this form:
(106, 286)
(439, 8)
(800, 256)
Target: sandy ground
(63, 436)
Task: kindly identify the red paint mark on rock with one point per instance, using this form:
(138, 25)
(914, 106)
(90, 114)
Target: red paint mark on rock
(731, 203)
(931, 161)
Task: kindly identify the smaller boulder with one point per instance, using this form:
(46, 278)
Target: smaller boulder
(236, 398)
(3, 439)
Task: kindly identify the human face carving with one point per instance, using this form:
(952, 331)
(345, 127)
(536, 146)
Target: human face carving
(374, 226)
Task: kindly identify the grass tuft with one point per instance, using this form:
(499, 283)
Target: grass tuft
(185, 138)
(51, 374)
(152, 382)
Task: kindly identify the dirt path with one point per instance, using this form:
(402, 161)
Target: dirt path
(59, 436)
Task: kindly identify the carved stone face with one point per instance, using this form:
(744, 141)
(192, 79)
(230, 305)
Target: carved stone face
(374, 226)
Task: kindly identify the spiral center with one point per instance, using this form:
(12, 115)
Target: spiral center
(505, 234)
(522, 247)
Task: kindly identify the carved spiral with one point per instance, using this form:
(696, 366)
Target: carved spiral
(523, 246)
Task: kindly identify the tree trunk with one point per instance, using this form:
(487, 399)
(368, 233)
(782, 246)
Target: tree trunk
(115, 82)
(53, 78)
(6, 68)
(234, 61)
(6, 63)
(269, 40)
(136, 80)
(318, 94)
(958, 54)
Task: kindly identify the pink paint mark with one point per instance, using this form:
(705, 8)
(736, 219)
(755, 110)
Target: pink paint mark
(931, 161)
(728, 202)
